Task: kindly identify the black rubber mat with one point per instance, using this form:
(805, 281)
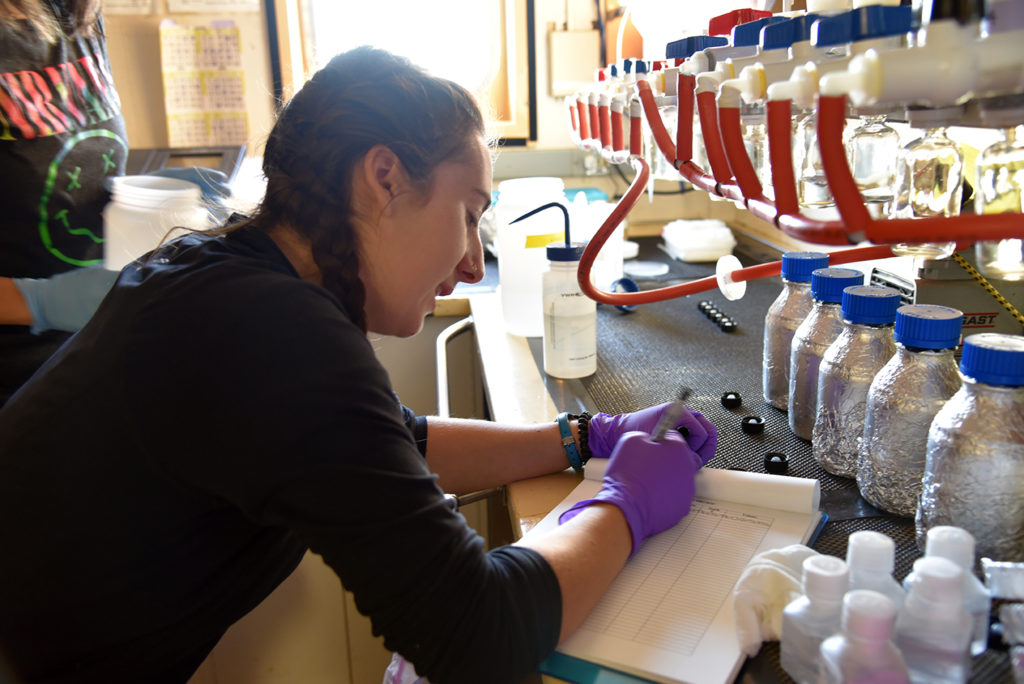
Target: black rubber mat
(647, 355)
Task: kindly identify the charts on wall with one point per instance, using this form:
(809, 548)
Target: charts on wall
(204, 85)
(213, 6)
(128, 6)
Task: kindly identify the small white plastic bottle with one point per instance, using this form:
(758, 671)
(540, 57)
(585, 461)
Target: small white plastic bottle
(863, 653)
(933, 629)
(810, 619)
(570, 317)
(957, 544)
(872, 557)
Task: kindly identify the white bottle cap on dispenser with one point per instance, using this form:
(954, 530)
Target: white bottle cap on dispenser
(937, 580)
(871, 551)
(868, 615)
(825, 577)
(953, 543)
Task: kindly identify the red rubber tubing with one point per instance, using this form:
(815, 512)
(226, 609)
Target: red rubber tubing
(636, 131)
(712, 138)
(574, 119)
(690, 171)
(731, 129)
(628, 201)
(962, 228)
(616, 126)
(780, 155)
(581, 108)
(831, 120)
(595, 126)
(685, 86)
(605, 125)
(809, 230)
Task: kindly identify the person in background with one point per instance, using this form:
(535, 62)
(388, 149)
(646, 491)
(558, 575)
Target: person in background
(223, 412)
(61, 137)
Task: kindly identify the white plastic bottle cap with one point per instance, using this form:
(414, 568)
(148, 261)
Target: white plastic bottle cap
(937, 580)
(867, 550)
(868, 615)
(825, 577)
(953, 543)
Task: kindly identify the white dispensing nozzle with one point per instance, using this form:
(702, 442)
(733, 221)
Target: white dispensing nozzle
(861, 82)
(800, 88)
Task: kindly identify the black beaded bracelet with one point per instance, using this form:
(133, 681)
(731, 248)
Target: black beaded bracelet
(583, 426)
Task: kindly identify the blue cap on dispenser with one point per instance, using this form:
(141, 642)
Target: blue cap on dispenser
(798, 266)
(641, 66)
(863, 23)
(784, 33)
(928, 326)
(562, 251)
(685, 47)
(750, 33)
(994, 359)
(870, 304)
(827, 284)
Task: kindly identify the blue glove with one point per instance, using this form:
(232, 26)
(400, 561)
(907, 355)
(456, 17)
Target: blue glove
(67, 300)
(652, 483)
(604, 430)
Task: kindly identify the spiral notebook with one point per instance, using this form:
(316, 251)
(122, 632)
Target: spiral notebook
(668, 616)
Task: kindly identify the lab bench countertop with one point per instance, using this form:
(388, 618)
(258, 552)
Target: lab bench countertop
(643, 358)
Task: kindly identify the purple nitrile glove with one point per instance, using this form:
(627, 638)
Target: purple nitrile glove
(652, 483)
(605, 430)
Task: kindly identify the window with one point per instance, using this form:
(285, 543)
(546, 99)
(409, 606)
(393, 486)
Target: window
(485, 45)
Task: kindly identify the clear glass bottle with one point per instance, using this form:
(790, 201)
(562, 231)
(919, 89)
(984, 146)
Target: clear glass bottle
(903, 399)
(974, 465)
(1000, 189)
(933, 630)
(871, 557)
(872, 149)
(812, 337)
(755, 140)
(570, 317)
(813, 617)
(784, 316)
(957, 545)
(863, 652)
(929, 178)
(847, 368)
(812, 186)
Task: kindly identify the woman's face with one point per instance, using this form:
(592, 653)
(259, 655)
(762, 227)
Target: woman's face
(424, 245)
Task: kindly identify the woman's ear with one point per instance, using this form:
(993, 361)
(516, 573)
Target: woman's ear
(384, 175)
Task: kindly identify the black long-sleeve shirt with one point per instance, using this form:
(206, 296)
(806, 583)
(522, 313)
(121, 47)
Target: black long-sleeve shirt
(171, 464)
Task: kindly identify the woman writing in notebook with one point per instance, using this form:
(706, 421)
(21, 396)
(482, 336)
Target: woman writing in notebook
(224, 411)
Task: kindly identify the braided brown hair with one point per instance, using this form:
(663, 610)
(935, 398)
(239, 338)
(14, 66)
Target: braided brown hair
(362, 98)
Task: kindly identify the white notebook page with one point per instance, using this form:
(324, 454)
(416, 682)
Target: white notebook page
(668, 615)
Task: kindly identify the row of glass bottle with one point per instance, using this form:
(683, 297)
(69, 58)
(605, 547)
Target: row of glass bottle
(872, 402)
(925, 177)
(855, 623)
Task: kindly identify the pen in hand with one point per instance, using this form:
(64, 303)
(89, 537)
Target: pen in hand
(671, 415)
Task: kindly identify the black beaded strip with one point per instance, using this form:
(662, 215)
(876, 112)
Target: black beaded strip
(583, 425)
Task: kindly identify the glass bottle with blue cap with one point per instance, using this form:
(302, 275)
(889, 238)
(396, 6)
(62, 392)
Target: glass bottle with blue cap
(902, 402)
(810, 341)
(974, 466)
(784, 316)
(847, 369)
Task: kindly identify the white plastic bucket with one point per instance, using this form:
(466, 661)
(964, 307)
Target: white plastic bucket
(142, 211)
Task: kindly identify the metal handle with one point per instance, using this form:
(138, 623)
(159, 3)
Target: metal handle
(443, 407)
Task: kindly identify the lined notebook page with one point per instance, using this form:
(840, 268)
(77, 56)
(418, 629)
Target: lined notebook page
(668, 615)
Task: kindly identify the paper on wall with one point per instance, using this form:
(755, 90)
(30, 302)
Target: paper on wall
(204, 85)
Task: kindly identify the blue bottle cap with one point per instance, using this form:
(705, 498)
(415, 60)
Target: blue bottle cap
(994, 359)
(561, 251)
(827, 284)
(641, 66)
(863, 23)
(870, 304)
(784, 33)
(750, 33)
(685, 47)
(928, 326)
(798, 266)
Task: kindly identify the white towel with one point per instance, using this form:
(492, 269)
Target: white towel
(769, 582)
